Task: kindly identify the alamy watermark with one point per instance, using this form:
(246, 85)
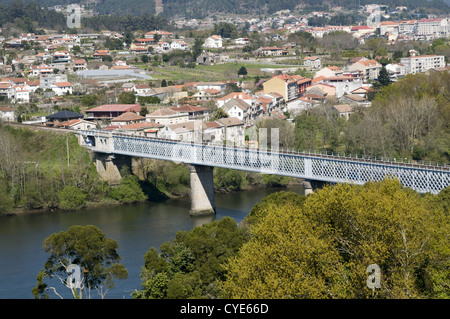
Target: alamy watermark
(374, 18)
(74, 17)
(374, 279)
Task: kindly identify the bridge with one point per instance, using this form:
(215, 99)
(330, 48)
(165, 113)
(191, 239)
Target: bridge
(203, 157)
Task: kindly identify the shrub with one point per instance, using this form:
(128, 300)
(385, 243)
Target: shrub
(71, 197)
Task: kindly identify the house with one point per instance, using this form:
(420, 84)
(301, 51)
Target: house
(171, 93)
(219, 85)
(326, 90)
(396, 70)
(247, 98)
(179, 45)
(233, 131)
(21, 93)
(312, 61)
(206, 95)
(127, 118)
(343, 110)
(79, 64)
(6, 89)
(343, 84)
(146, 129)
(239, 109)
(183, 131)
(61, 88)
(214, 41)
(99, 54)
(61, 57)
(369, 69)
(142, 90)
(110, 111)
(167, 116)
(272, 51)
(76, 124)
(42, 69)
(242, 41)
(363, 91)
(194, 112)
(7, 114)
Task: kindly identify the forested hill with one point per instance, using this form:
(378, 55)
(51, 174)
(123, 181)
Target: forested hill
(203, 8)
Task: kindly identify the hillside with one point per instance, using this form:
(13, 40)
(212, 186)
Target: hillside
(203, 8)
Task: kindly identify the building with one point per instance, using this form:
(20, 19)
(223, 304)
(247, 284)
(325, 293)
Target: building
(289, 86)
(272, 51)
(7, 114)
(167, 116)
(343, 110)
(214, 41)
(368, 68)
(127, 118)
(312, 61)
(194, 112)
(238, 108)
(110, 111)
(343, 84)
(61, 88)
(432, 28)
(422, 63)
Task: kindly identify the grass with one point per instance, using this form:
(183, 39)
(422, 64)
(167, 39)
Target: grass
(217, 72)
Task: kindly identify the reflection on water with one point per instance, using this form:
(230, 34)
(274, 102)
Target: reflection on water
(135, 228)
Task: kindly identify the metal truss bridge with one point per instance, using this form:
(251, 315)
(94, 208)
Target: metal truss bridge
(327, 168)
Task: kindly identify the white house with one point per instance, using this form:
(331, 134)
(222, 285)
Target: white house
(179, 45)
(61, 88)
(21, 93)
(238, 108)
(7, 114)
(343, 84)
(214, 41)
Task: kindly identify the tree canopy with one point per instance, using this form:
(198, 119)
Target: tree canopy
(321, 248)
(88, 248)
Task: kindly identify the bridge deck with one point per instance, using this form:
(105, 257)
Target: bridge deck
(328, 168)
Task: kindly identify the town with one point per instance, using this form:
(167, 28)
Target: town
(230, 74)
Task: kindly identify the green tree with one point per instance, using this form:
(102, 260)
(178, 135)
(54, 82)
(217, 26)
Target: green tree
(128, 191)
(71, 197)
(321, 248)
(127, 98)
(192, 265)
(383, 78)
(242, 71)
(88, 248)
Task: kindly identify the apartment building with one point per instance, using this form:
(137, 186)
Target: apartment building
(422, 63)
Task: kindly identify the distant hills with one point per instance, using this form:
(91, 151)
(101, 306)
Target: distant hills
(203, 8)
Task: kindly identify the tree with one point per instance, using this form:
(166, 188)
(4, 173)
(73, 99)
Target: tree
(127, 98)
(242, 71)
(192, 265)
(71, 197)
(383, 78)
(87, 248)
(321, 247)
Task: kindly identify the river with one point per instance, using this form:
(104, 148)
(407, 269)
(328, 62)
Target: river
(135, 228)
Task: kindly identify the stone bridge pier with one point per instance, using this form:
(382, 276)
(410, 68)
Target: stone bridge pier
(202, 190)
(109, 166)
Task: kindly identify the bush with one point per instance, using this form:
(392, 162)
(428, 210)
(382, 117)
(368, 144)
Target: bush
(71, 197)
(128, 191)
(228, 179)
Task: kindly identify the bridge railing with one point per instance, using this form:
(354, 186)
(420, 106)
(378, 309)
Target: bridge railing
(314, 166)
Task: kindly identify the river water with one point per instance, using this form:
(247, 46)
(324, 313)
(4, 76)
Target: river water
(135, 228)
